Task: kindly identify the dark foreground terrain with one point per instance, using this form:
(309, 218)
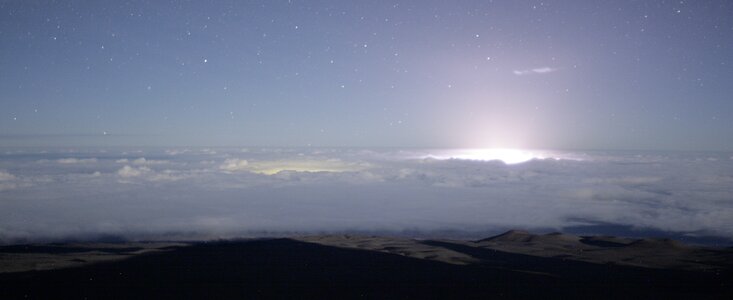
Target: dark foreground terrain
(512, 265)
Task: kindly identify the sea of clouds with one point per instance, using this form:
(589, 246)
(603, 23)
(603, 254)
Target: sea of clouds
(198, 193)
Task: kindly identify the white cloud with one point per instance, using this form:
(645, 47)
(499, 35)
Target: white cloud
(144, 174)
(173, 152)
(76, 160)
(127, 171)
(171, 175)
(542, 70)
(5, 176)
(628, 180)
(234, 165)
(142, 161)
(4, 186)
(7, 181)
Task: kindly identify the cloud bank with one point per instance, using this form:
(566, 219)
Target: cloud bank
(205, 193)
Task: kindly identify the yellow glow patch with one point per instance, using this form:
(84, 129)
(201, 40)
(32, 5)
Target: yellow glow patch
(274, 167)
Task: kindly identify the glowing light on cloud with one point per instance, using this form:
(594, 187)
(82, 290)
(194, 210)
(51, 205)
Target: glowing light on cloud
(276, 166)
(507, 156)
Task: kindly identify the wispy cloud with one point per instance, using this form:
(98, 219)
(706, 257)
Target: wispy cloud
(543, 70)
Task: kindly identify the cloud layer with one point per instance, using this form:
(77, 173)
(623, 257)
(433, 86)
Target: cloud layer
(205, 193)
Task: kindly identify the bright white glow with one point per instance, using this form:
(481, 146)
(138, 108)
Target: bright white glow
(508, 156)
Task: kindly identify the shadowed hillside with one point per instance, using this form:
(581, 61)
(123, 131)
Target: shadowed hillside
(283, 268)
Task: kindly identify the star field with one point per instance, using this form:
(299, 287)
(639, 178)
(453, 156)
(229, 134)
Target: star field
(523, 74)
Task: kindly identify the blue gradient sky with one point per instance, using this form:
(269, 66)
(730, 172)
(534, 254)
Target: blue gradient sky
(526, 74)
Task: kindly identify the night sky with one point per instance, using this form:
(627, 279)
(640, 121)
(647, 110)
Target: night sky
(508, 74)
